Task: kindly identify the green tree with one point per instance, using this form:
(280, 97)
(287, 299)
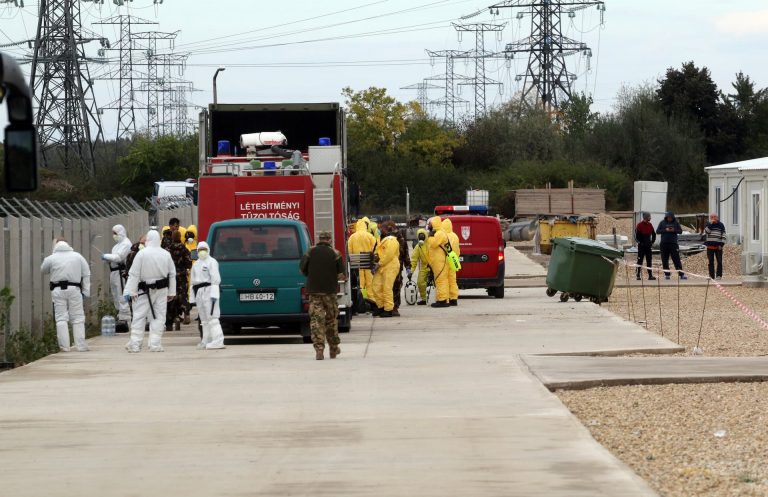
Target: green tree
(394, 145)
(149, 160)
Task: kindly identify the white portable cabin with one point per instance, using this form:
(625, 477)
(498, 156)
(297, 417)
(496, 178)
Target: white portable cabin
(745, 213)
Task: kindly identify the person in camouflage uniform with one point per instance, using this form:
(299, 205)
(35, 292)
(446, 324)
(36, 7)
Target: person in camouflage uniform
(324, 268)
(166, 240)
(183, 262)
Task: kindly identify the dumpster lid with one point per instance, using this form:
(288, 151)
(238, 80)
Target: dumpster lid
(588, 246)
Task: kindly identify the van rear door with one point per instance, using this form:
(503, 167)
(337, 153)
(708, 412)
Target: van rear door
(260, 264)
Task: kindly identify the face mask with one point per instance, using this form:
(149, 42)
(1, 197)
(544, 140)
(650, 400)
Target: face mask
(421, 242)
(116, 238)
(141, 246)
(202, 254)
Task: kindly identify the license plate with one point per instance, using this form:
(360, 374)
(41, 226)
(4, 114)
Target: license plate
(257, 297)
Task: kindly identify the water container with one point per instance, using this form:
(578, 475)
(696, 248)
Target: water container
(108, 326)
(223, 148)
(269, 168)
(324, 142)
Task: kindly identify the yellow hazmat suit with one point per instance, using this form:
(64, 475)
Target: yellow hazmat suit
(361, 241)
(453, 239)
(191, 243)
(437, 261)
(420, 257)
(384, 279)
(374, 229)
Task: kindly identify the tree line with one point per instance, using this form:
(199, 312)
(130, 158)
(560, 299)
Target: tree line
(666, 131)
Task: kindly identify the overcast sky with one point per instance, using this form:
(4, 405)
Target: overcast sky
(307, 51)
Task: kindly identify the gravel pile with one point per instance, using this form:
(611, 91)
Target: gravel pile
(705, 440)
(606, 223)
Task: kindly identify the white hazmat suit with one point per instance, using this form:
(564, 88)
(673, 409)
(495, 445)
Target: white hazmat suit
(151, 282)
(116, 260)
(206, 278)
(68, 269)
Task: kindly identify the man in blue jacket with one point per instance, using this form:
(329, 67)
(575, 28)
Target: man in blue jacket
(669, 228)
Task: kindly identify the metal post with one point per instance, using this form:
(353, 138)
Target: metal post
(407, 205)
(216, 75)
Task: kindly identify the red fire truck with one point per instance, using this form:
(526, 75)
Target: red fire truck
(293, 177)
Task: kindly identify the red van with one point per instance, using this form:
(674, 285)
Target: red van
(482, 250)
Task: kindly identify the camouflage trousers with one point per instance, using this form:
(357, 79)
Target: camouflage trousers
(323, 316)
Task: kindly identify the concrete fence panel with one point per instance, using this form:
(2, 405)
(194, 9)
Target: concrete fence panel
(27, 230)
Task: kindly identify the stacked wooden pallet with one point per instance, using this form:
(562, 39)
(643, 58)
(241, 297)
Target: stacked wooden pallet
(561, 201)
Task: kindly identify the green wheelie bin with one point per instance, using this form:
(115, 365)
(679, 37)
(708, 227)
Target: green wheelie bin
(578, 268)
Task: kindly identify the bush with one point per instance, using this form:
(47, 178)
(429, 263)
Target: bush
(23, 347)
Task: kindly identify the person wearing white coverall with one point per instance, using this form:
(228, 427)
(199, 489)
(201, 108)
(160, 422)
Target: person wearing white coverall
(70, 279)
(204, 293)
(116, 260)
(151, 284)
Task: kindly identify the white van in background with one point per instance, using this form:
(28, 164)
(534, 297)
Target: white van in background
(178, 189)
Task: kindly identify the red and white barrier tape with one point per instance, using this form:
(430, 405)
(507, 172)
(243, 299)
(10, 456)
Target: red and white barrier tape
(741, 305)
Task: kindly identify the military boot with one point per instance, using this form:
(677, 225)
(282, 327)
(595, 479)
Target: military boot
(319, 355)
(334, 352)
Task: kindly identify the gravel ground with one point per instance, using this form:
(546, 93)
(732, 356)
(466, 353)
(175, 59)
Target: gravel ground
(726, 330)
(705, 440)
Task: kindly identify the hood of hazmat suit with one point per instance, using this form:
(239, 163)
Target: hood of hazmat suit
(191, 243)
(453, 238)
(361, 240)
(121, 249)
(67, 265)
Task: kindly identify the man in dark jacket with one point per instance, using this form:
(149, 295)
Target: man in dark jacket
(645, 236)
(714, 240)
(324, 268)
(669, 228)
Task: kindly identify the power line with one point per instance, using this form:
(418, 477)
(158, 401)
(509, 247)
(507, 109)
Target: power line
(547, 75)
(63, 88)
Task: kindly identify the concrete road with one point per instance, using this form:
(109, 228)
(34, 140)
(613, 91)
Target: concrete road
(569, 372)
(435, 403)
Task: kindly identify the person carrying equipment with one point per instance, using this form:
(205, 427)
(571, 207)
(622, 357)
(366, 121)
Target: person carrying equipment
(70, 282)
(118, 274)
(453, 239)
(420, 259)
(205, 293)
(151, 284)
(360, 242)
(437, 243)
